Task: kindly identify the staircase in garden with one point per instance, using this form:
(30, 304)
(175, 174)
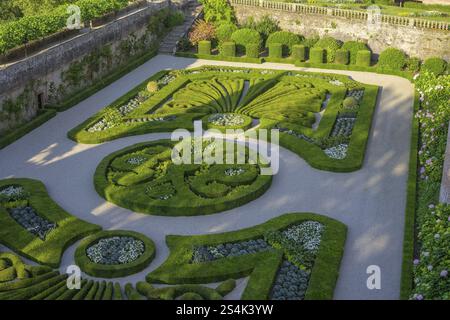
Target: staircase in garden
(191, 12)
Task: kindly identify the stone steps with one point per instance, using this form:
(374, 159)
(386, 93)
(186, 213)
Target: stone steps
(169, 43)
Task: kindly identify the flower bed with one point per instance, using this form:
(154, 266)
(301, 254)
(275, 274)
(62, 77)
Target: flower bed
(28, 218)
(277, 256)
(144, 179)
(33, 225)
(431, 262)
(112, 254)
(230, 98)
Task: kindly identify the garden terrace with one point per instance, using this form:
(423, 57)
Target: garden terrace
(182, 96)
(35, 226)
(144, 178)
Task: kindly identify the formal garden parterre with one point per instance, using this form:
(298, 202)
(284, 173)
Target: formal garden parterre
(323, 118)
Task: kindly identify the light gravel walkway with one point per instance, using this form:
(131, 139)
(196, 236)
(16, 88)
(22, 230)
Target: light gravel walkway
(371, 201)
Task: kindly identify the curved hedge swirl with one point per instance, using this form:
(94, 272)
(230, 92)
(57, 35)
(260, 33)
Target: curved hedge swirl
(305, 107)
(265, 266)
(144, 179)
(33, 225)
(114, 270)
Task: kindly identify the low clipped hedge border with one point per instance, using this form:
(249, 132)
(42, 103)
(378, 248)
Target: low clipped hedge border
(114, 271)
(49, 252)
(102, 186)
(406, 284)
(261, 267)
(18, 133)
(218, 57)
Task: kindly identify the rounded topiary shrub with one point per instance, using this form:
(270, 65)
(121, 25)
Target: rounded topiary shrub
(392, 59)
(353, 47)
(152, 86)
(350, 103)
(299, 52)
(435, 65)
(330, 45)
(228, 49)
(113, 254)
(275, 50)
(245, 36)
(413, 64)
(342, 56)
(316, 55)
(252, 50)
(286, 39)
(224, 31)
(204, 47)
(363, 58)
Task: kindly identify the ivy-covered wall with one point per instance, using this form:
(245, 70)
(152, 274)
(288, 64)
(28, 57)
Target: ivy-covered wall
(48, 77)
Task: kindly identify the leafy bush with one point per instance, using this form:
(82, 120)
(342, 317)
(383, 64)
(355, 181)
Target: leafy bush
(245, 36)
(286, 39)
(224, 31)
(275, 50)
(202, 31)
(204, 47)
(265, 26)
(349, 103)
(413, 64)
(342, 56)
(26, 29)
(229, 49)
(316, 55)
(252, 50)
(226, 287)
(299, 52)
(435, 65)
(363, 58)
(392, 59)
(310, 42)
(330, 45)
(175, 19)
(217, 11)
(353, 47)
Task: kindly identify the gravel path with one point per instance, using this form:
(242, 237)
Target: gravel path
(371, 201)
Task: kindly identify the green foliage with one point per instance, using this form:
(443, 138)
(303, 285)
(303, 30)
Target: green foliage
(252, 50)
(226, 287)
(49, 251)
(204, 47)
(353, 47)
(413, 65)
(349, 103)
(132, 293)
(228, 49)
(275, 50)
(154, 186)
(179, 292)
(174, 19)
(224, 31)
(286, 39)
(245, 36)
(363, 58)
(265, 26)
(28, 28)
(392, 59)
(342, 56)
(299, 52)
(217, 11)
(316, 55)
(110, 270)
(330, 45)
(260, 267)
(435, 65)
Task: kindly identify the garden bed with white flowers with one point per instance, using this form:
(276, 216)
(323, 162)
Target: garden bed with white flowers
(292, 257)
(223, 121)
(113, 254)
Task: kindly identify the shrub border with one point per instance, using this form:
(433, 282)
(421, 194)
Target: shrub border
(114, 271)
(70, 229)
(259, 266)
